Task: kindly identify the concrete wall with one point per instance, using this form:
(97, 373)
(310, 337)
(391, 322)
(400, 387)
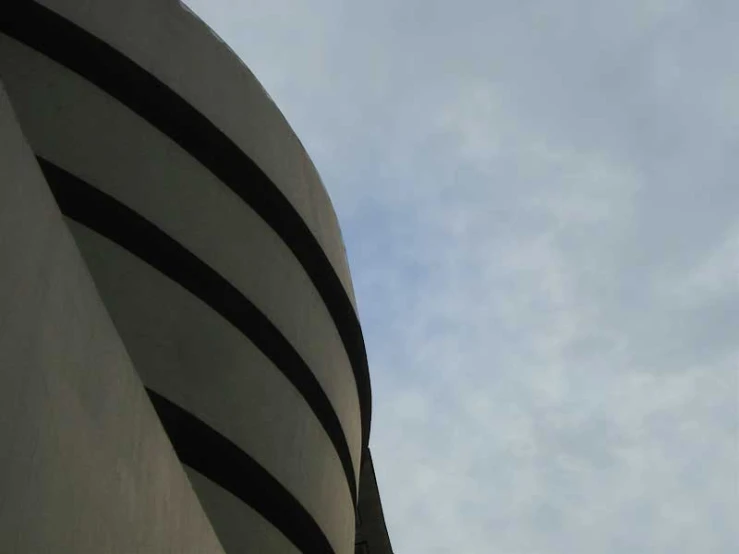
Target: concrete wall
(171, 43)
(242, 528)
(89, 134)
(195, 358)
(85, 465)
(216, 252)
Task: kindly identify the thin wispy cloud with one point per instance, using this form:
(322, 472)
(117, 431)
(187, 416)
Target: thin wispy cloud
(541, 210)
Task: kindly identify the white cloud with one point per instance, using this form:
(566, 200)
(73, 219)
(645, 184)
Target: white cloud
(714, 277)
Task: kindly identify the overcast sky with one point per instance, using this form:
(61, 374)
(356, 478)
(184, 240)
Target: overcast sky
(540, 203)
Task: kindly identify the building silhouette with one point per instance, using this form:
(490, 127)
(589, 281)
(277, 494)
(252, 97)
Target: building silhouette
(182, 368)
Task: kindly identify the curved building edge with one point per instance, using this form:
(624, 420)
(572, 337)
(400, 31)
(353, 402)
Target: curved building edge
(214, 250)
(96, 211)
(178, 95)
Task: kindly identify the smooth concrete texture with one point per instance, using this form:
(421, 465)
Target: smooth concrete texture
(188, 353)
(166, 39)
(90, 134)
(233, 300)
(85, 465)
(239, 528)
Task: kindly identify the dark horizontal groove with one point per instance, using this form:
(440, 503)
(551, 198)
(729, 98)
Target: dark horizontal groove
(211, 454)
(107, 216)
(70, 45)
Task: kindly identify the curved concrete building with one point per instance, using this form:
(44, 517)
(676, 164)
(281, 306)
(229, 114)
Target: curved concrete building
(209, 391)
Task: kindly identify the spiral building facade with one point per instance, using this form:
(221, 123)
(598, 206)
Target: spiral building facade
(183, 368)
